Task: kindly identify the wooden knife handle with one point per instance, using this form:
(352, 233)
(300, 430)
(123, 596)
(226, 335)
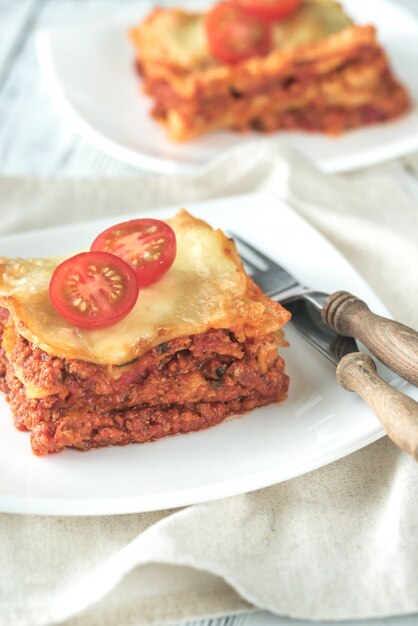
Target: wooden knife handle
(397, 412)
(395, 344)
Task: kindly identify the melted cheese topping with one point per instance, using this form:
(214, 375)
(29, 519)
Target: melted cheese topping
(205, 288)
(178, 37)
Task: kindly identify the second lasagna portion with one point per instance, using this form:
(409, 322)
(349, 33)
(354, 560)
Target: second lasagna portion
(199, 345)
(180, 386)
(324, 74)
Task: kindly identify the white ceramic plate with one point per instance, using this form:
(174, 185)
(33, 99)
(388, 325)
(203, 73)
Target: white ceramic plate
(89, 73)
(318, 423)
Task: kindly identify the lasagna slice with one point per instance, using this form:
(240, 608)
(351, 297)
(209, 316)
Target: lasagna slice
(323, 74)
(199, 345)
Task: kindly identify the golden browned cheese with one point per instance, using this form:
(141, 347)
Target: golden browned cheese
(205, 288)
(177, 38)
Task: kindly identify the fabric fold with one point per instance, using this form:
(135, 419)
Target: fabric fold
(338, 543)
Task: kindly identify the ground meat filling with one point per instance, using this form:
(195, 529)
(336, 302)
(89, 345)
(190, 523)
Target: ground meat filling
(359, 90)
(180, 386)
(3, 360)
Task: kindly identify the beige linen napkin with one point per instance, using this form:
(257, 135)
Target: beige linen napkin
(338, 543)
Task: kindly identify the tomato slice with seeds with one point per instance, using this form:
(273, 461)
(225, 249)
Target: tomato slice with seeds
(148, 245)
(93, 289)
(235, 35)
(269, 9)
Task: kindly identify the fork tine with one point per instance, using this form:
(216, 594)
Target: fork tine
(257, 253)
(272, 278)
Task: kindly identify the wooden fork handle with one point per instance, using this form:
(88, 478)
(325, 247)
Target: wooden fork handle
(397, 412)
(392, 343)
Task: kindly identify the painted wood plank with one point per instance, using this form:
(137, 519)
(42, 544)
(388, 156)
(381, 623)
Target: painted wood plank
(33, 138)
(15, 23)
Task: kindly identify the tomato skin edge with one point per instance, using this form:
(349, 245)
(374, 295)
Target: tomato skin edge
(146, 275)
(55, 288)
(146, 282)
(218, 37)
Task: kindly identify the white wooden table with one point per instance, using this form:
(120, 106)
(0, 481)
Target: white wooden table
(35, 142)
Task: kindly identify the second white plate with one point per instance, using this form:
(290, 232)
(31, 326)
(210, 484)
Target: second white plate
(318, 423)
(89, 73)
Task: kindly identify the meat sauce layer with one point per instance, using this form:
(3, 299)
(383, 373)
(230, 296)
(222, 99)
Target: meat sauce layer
(180, 386)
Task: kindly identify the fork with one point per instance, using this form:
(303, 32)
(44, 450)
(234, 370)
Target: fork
(393, 343)
(314, 314)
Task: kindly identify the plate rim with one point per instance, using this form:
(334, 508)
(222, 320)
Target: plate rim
(82, 507)
(79, 125)
(360, 159)
(212, 491)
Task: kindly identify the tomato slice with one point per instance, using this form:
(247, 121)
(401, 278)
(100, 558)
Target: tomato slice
(93, 289)
(148, 245)
(235, 35)
(269, 9)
